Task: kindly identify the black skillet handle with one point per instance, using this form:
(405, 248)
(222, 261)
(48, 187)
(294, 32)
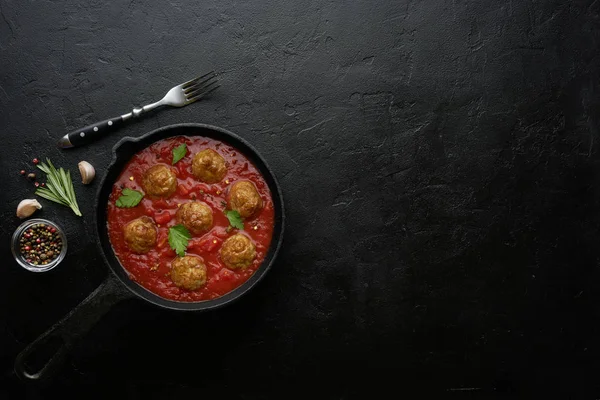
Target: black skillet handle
(90, 133)
(48, 350)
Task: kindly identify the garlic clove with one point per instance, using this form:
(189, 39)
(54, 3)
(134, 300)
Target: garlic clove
(27, 207)
(87, 172)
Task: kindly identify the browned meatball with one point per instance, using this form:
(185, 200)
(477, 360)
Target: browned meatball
(140, 234)
(159, 181)
(238, 251)
(195, 216)
(209, 166)
(244, 198)
(188, 272)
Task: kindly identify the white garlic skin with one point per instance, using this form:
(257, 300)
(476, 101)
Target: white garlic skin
(27, 207)
(87, 172)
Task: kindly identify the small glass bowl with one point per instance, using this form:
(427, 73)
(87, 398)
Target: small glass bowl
(16, 251)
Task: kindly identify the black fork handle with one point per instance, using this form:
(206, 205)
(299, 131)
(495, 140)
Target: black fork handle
(90, 133)
(55, 343)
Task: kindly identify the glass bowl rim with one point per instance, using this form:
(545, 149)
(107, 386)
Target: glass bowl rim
(19, 257)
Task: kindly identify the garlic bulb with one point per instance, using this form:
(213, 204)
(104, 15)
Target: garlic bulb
(87, 172)
(27, 207)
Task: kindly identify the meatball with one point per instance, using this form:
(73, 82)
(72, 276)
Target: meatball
(209, 166)
(238, 251)
(159, 181)
(197, 217)
(140, 234)
(244, 198)
(188, 272)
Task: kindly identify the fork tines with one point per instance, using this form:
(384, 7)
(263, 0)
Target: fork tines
(200, 87)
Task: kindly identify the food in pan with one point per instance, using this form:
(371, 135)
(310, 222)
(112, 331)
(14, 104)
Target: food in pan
(209, 166)
(159, 181)
(238, 251)
(212, 205)
(188, 272)
(244, 198)
(197, 217)
(140, 234)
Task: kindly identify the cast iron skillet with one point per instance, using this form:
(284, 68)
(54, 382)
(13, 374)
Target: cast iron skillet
(117, 286)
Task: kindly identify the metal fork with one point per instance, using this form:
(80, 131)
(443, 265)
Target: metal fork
(179, 96)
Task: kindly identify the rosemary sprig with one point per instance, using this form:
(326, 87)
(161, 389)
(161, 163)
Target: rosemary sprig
(59, 187)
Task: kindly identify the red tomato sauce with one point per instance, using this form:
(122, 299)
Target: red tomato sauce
(152, 270)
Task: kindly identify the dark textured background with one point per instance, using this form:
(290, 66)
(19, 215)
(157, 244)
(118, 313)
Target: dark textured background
(439, 161)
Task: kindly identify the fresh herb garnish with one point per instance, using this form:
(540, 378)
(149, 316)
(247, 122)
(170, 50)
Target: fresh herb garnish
(178, 239)
(179, 152)
(129, 198)
(235, 220)
(59, 187)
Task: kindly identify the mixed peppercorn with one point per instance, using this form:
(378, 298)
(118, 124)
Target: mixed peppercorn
(31, 176)
(40, 244)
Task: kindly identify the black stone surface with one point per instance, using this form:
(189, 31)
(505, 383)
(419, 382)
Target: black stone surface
(439, 161)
